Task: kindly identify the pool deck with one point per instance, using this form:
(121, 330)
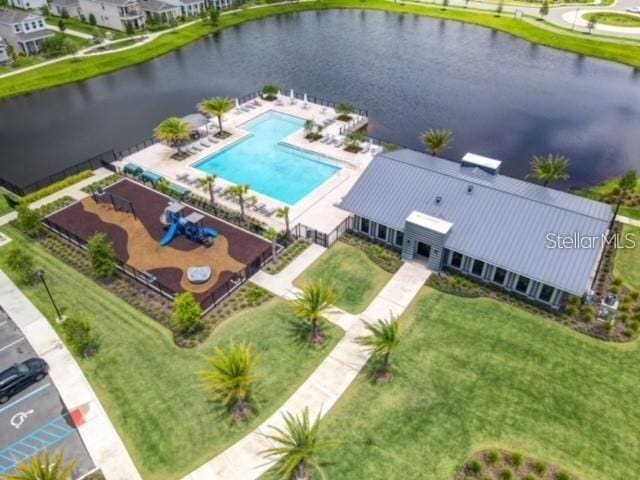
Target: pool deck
(316, 210)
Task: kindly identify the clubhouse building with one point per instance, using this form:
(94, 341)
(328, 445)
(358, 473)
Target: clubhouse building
(467, 217)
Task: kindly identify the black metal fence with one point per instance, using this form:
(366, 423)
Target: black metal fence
(301, 231)
(102, 160)
(147, 142)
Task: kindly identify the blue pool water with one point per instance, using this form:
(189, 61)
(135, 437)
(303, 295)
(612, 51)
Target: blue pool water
(284, 173)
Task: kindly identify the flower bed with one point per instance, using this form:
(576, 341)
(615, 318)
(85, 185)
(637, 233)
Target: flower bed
(385, 257)
(56, 187)
(287, 256)
(504, 465)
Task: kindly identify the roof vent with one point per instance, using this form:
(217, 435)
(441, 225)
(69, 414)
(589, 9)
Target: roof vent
(438, 200)
(469, 188)
(489, 165)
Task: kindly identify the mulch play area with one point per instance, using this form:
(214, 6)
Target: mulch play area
(136, 239)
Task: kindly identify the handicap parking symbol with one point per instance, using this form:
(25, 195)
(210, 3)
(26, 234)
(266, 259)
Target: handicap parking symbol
(19, 418)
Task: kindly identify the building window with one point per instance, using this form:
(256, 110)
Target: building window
(499, 276)
(523, 284)
(545, 293)
(456, 260)
(26, 26)
(477, 268)
(16, 28)
(399, 238)
(364, 225)
(41, 23)
(382, 232)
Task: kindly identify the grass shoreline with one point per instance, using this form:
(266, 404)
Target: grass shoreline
(75, 70)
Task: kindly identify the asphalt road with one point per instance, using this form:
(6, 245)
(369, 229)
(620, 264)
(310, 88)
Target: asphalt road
(35, 420)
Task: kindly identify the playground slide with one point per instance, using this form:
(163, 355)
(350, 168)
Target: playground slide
(171, 234)
(210, 232)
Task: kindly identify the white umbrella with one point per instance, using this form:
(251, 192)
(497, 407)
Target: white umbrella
(305, 98)
(291, 94)
(237, 103)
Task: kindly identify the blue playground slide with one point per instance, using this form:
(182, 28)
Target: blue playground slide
(209, 232)
(171, 234)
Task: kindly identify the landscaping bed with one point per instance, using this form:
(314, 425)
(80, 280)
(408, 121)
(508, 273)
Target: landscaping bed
(504, 465)
(287, 256)
(381, 254)
(105, 182)
(351, 273)
(471, 373)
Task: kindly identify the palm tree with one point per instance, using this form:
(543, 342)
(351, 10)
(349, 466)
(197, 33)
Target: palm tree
(231, 377)
(310, 305)
(43, 467)
(437, 141)
(383, 339)
(549, 168)
(273, 235)
(240, 192)
(344, 111)
(626, 185)
(207, 183)
(299, 447)
(173, 130)
(354, 139)
(216, 107)
(270, 91)
(283, 212)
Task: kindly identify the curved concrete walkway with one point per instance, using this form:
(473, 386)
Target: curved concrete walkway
(243, 460)
(577, 16)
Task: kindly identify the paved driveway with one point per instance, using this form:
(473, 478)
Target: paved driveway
(36, 419)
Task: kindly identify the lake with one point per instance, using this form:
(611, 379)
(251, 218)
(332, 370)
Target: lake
(501, 97)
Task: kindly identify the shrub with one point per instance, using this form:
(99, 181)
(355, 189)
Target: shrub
(635, 296)
(617, 281)
(474, 467)
(516, 460)
(540, 468)
(29, 221)
(506, 474)
(529, 477)
(588, 317)
(572, 310)
(186, 313)
(102, 256)
(492, 457)
(615, 289)
(80, 338)
(21, 262)
(563, 476)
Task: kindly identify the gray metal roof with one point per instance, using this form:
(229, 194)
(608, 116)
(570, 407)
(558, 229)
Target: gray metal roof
(16, 16)
(503, 221)
(156, 6)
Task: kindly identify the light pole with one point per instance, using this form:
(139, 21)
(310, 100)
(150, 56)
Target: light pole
(575, 18)
(40, 274)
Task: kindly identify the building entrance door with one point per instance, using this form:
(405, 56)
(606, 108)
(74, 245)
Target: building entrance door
(423, 250)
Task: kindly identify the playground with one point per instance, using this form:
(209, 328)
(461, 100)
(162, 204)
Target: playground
(180, 248)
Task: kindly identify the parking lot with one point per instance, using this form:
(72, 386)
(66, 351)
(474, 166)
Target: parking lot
(35, 420)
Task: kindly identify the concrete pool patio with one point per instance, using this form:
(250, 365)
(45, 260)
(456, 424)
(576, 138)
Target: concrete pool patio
(317, 208)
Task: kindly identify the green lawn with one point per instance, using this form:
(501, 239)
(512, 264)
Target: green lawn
(627, 265)
(596, 192)
(616, 19)
(80, 26)
(473, 374)
(149, 386)
(74, 70)
(356, 278)
(4, 206)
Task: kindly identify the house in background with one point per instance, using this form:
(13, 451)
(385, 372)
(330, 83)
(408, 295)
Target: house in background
(4, 56)
(114, 14)
(25, 31)
(469, 218)
(72, 7)
(28, 4)
(159, 11)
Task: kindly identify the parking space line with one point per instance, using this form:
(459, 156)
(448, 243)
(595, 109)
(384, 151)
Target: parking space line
(12, 344)
(31, 394)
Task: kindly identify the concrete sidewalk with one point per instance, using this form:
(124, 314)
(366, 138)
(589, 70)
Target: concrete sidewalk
(98, 433)
(628, 221)
(243, 460)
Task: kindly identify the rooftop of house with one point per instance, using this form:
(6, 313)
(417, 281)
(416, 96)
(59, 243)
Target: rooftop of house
(156, 5)
(495, 218)
(16, 16)
(64, 3)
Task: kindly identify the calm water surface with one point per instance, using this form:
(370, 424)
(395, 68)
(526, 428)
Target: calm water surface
(502, 97)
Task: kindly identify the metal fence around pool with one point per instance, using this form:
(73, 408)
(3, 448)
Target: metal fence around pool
(301, 231)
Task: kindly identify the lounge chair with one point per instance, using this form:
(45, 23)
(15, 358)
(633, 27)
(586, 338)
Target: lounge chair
(268, 211)
(258, 207)
(279, 103)
(328, 139)
(257, 103)
(218, 190)
(365, 149)
(305, 106)
(339, 143)
(205, 144)
(181, 177)
(323, 110)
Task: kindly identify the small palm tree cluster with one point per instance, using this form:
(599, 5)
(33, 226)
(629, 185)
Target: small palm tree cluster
(173, 131)
(298, 447)
(437, 141)
(216, 107)
(549, 168)
(270, 91)
(232, 379)
(207, 183)
(43, 467)
(310, 306)
(240, 192)
(383, 340)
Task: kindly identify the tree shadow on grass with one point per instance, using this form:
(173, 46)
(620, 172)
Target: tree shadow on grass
(299, 331)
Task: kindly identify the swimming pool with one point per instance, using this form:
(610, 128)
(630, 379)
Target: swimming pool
(269, 167)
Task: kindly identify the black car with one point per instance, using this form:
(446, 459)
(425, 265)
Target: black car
(20, 376)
